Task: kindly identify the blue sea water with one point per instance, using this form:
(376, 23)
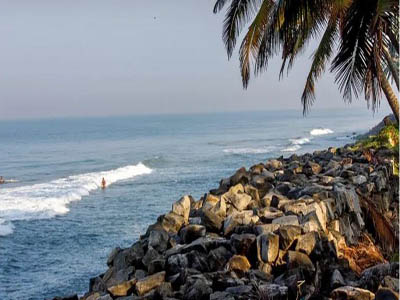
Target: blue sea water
(57, 225)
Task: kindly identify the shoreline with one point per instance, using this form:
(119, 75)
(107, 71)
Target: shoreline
(309, 219)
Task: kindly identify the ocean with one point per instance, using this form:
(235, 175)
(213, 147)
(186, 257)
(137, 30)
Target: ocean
(57, 225)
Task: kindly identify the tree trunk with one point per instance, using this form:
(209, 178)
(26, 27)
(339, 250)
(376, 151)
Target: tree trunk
(390, 95)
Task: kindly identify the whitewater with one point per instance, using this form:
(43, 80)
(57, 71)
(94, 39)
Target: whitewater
(46, 200)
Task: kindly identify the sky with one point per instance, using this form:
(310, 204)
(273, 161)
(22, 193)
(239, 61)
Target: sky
(122, 57)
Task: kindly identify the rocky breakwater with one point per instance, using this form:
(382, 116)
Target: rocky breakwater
(315, 226)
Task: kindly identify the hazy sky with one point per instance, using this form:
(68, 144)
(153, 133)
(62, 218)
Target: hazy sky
(110, 57)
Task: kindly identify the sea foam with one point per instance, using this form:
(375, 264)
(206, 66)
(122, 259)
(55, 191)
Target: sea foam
(249, 150)
(320, 131)
(46, 200)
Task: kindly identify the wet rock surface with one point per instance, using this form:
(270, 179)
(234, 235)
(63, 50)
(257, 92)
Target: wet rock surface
(315, 226)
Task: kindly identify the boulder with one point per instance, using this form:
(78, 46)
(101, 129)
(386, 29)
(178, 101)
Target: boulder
(238, 263)
(148, 283)
(158, 239)
(242, 243)
(386, 294)
(286, 220)
(287, 235)
(172, 222)
(306, 243)
(351, 293)
(273, 291)
(359, 179)
(151, 255)
(265, 228)
(295, 259)
(190, 233)
(197, 287)
(122, 289)
(337, 279)
(217, 258)
(182, 208)
(267, 247)
(176, 263)
(212, 221)
(273, 165)
(245, 217)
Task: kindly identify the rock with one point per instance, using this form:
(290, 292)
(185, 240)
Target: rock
(239, 200)
(105, 297)
(139, 274)
(198, 260)
(312, 168)
(242, 243)
(182, 208)
(295, 259)
(359, 179)
(252, 192)
(172, 222)
(273, 291)
(306, 243)
(351, 293)
(151, 255)
(267, 247)
(158, 239)
(122, 289)
(219, 208)
(70, 297)
(190, 233)
(265, 228)
(240, 177)
(150, 282)
(221, 295)
(164, 290)
(240, 290)
(197, 288)
(267, 214)
(156, 266)
(176, 263)
(273, 164)
(391, 282)
(238, 263)
(287, 235)
(286, 220)
(112, 255)
(386, 294)
(217, 258)
(212, 221)
(245, 217)
(337, 279)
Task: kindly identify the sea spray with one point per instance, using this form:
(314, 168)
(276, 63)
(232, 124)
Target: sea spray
(46, 200)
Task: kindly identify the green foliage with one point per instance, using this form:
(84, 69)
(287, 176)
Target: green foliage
(388, 138)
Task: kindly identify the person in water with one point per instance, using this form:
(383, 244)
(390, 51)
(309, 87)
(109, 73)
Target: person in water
(103, 183)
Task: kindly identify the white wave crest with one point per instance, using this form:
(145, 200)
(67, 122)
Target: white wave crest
(6, 227)
(46, 200)
(300, 141)
(292, 148)
(249, 150)
(320, 131)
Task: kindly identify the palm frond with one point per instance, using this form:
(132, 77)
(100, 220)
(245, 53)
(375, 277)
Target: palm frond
(238, 14)
(252, 40)
(219, 5)
(355, 52)
(320, 58)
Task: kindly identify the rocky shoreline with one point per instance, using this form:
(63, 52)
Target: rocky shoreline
(313, 226)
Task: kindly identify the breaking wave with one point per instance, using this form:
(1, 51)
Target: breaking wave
(320, 131)
(46, 200)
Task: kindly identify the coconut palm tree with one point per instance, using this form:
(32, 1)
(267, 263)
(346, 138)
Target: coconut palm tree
(365, 31)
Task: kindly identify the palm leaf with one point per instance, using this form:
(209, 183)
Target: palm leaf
(237, 15)
(320, 58)
(252, 40)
